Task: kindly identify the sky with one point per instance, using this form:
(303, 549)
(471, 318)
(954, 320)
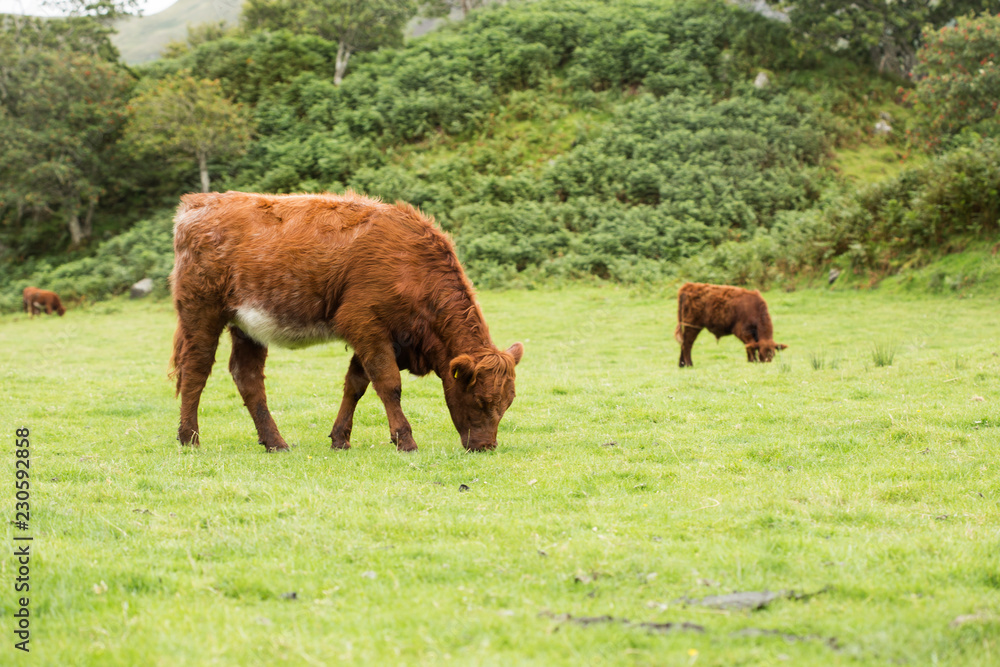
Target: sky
(37, 8)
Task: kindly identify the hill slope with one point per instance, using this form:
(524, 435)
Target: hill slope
(569, 139)
(141, 39)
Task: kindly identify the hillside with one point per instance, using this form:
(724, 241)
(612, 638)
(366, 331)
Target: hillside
(571, 140)
(141, 39)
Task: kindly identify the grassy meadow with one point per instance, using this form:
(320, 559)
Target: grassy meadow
(624, 491)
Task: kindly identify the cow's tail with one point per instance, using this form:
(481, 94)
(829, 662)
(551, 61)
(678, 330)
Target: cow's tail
(176, 358)
(679, 331)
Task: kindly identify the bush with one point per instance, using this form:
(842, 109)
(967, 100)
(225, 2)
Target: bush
(666, 178)
(958, 80)
(880, 229)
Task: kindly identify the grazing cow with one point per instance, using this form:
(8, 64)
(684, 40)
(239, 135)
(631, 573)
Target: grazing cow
(36, 300)
(724, 310)
(294, 270)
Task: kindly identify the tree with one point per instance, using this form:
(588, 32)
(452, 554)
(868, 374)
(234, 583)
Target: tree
(466, 6)
(271, 15)
(187, 115)
(197, 34)
(355, 25)
(887, 32)
(958, 80)
(62, 107)
(104, 11)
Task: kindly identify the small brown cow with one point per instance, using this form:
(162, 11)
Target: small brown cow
(724, 310)
(36, 300)
(294, 270)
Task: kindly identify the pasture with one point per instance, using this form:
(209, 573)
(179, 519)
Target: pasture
(624, 490)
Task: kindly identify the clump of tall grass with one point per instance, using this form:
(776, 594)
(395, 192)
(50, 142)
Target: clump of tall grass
(883, 353)
(818, 360)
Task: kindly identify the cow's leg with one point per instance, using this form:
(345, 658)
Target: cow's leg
(246, 364)
(748, 336)
(194, 356)
(355, 385)
(380, 366)
(689, 334)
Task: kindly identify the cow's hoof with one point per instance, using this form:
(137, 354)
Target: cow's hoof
(407, 446)
(339, 443)
(280, 447)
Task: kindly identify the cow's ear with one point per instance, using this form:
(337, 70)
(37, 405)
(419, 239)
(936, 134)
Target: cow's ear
(781, 346)
(753, 346)
(463, 369)
(517, 351)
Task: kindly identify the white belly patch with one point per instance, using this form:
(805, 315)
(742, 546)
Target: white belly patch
(267, 329)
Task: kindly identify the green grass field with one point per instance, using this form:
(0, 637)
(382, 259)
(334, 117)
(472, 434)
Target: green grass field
(623, 490)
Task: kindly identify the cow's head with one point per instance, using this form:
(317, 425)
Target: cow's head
(61, 310)
(763, 350)
(478, 391)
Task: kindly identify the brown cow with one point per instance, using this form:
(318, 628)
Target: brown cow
(36, 300)
(724, 310)
(294, 270)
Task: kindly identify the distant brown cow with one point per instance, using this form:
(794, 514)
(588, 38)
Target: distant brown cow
(36, 300)
(724, 310)
(294, 270)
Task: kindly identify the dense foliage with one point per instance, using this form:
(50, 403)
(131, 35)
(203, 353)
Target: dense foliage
(145, 250)
(62, 107)
(354, 25)
(958, 84)
(698, 156)
(885, 32)
(666, 179)
(875, 230)
(558, 138)
(180, 116)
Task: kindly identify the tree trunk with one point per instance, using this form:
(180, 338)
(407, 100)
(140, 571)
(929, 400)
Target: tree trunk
(75, 231)
(340, 67)
(890, 57)
(203, 170)
(88, 220)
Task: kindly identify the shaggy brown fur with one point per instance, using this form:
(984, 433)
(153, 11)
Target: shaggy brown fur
(724, 310)
(36, 300)
(294, 270)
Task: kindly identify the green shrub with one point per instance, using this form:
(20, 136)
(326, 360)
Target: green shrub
(958, 78)
(667, 178)
(879, 229)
